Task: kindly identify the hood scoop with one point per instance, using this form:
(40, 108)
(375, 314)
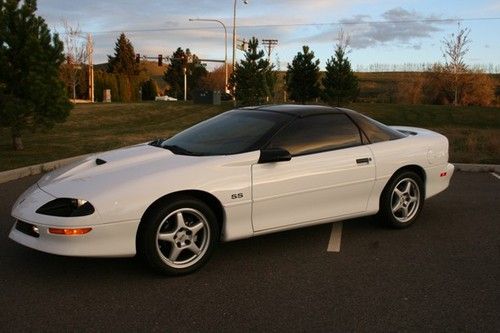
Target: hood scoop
(99, 161)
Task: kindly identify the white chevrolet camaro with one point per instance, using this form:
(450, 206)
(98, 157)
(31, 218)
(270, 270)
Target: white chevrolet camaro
(243, 173)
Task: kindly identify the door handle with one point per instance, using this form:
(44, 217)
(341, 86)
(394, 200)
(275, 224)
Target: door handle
(363, 160)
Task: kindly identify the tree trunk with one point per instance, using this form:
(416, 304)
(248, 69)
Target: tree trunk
(74, 92)
(17, 142)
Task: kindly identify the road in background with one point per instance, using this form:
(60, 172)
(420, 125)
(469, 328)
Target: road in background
(441, 274)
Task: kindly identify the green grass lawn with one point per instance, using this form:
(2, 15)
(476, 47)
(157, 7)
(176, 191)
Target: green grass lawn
(474, 132)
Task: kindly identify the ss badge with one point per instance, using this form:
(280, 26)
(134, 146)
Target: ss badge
(237, 196)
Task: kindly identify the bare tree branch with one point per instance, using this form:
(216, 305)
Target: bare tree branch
(343, 40)
(456, 47)
(76, 52)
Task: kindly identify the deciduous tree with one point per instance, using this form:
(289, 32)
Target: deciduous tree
(75, 51)
(456, 46)
(32, 94)
(215, 79)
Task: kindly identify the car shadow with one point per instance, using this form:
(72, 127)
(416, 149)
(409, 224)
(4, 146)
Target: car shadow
(240, 254)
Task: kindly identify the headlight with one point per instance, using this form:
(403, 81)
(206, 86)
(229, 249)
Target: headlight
(66, 207)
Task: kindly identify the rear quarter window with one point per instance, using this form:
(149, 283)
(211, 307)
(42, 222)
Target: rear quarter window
(375, 131)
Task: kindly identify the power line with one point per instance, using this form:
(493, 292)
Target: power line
(339, 23)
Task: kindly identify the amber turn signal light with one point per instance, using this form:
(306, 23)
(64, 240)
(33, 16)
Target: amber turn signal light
(69, 232)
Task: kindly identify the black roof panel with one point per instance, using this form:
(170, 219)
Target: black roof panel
(298, 110)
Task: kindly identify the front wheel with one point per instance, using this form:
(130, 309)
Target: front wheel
(402, 200)
(179, 237)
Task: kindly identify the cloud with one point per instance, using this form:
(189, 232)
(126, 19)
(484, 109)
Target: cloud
(398, 25)
(147, 24)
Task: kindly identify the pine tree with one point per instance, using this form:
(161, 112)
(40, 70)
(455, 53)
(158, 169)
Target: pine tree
(124, 66)
(253, 78)
(174, 75)
(123, 62)
(149, 90)
(340, 84)
(302, 77)
(31, 93)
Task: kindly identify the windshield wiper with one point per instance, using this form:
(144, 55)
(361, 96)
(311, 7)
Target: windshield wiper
(179, 150)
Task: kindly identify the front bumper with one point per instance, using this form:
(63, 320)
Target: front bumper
(105, 240)
(116, 239)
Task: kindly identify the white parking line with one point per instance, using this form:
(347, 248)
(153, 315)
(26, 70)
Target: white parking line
(335, 237)
(495, 175)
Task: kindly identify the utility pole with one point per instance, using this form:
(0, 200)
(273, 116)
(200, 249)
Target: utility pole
(185, 83)
(90, 63)
(188, 59)
(270, 43)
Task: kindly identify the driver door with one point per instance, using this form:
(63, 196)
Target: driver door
(331, 174)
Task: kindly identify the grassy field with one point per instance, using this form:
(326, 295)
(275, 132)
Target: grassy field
(382, 87)
(474, 132)
(99, 127)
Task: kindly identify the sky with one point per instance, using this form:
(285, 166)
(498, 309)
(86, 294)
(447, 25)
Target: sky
(376, 32)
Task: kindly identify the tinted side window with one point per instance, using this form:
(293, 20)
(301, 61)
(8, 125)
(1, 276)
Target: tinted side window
(375, 131)
(232, 132)
(317, 133)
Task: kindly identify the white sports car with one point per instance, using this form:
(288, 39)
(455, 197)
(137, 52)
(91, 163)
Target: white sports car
(243, 173)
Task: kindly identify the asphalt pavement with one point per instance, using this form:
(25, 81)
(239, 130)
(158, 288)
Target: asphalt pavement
(441, 274)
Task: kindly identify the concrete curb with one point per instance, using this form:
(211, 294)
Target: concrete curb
(7, 176)
(477, 167)
(10, 175)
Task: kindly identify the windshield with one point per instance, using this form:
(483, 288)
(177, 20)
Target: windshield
(232, 132)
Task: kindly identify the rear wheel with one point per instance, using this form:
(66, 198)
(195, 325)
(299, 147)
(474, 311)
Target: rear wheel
(178, 238)
(402, 200)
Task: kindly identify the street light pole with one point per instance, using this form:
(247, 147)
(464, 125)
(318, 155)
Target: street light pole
(234, 31)
(234, 45)
(225, 45)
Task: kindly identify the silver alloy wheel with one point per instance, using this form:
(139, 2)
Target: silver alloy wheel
(405, 200)
(183, 238)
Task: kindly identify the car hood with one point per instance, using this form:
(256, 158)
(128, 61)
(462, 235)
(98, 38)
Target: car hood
(100, 172)
(112, 161)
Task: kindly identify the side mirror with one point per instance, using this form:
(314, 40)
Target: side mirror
(274, 155)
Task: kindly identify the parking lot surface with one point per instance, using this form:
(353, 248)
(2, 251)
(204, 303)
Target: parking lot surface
(441, 274)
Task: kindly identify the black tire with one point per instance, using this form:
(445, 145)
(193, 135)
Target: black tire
(169, 243)
(397, 206)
